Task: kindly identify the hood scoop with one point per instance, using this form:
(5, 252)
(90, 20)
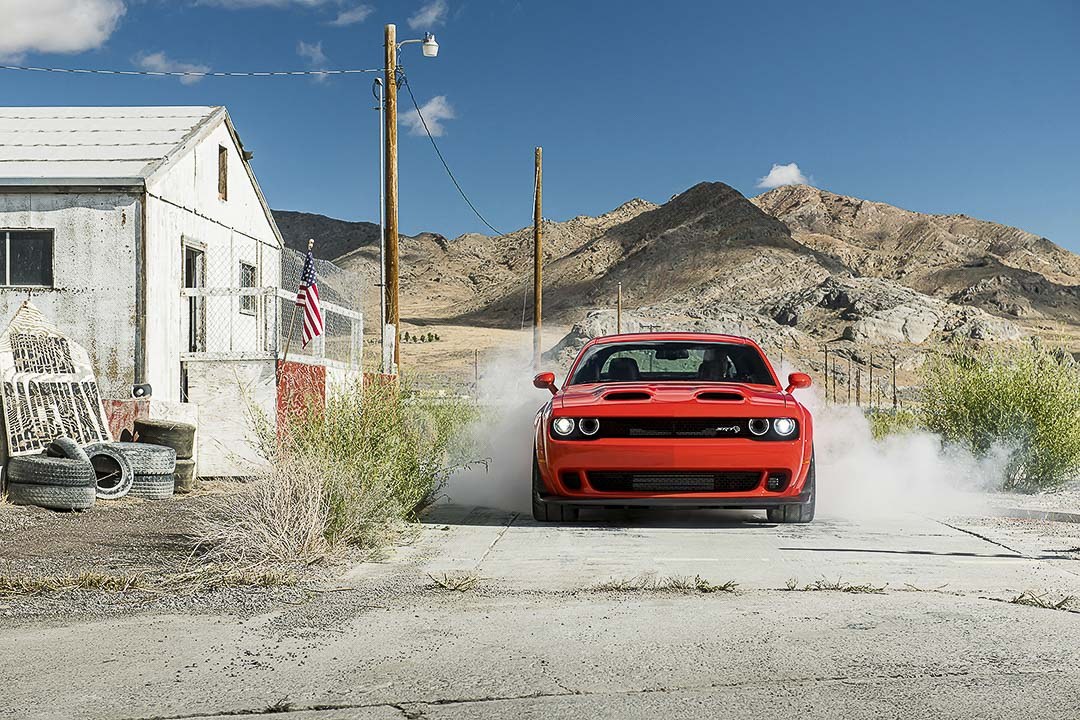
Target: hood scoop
(627, 395)
(718, 396)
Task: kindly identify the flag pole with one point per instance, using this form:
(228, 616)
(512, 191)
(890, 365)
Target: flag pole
(292, 322)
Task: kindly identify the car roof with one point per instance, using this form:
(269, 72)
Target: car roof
(674, 336)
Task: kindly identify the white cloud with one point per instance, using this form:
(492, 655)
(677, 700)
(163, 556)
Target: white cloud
(435, 112)
(789, 174)
(56, 26)
(429, 15)
(317, 60)
(160, 62)
(355, 15)
(241, 4)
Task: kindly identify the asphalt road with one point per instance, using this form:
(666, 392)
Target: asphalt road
(552, 626)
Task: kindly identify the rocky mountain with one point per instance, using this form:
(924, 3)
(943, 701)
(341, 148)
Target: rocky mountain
(333, 238)
(1000, 269)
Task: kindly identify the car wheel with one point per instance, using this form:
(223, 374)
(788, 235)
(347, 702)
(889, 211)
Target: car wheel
(548, 512)
(798, 512)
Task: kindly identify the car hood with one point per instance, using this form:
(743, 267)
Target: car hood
(707, 399)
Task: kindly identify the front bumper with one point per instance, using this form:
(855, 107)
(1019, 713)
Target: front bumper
(565, 467)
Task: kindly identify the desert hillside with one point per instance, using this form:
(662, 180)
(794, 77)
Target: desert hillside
(794, 267)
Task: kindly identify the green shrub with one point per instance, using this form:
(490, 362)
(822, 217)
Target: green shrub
(343, 475)
(889, 422)
(1024, 399)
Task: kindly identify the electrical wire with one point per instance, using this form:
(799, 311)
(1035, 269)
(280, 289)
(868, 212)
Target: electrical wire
(184, 73)
(405, 82)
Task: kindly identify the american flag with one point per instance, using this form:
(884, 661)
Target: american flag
(308, 298)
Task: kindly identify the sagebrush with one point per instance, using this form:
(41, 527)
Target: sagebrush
(343, 474)
(1023, 399)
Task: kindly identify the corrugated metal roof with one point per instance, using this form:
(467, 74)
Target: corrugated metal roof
(92, 145)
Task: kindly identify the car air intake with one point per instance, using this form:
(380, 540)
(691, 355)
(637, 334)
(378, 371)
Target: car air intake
(674, 482)
(721, 396)
(627, 395)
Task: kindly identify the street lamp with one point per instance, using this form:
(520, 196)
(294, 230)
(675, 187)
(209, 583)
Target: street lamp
(430, 48)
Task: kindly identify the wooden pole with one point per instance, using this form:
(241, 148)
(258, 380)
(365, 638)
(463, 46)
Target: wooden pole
(826, 372)
(390, 117)
(618, 312)
(538, 255)
(871, 379)
(894, 383)
(858, 387)
(849, 380)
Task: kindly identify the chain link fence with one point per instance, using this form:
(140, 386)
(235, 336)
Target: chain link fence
(339, 296)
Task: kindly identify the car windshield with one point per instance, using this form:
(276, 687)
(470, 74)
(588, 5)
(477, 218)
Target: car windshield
(672, 361)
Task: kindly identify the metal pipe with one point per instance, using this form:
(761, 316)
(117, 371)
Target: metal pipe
(384, 361)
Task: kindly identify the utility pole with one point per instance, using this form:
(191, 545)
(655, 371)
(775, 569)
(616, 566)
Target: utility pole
(849, 380)
(871, 379)
(894, 383)
(538, 255)
(826, 372)
(618, 312)
(391, 261)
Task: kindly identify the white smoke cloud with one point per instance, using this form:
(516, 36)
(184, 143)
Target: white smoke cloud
(56, 26)
(789, 174)
(160, 62)
(435, 111)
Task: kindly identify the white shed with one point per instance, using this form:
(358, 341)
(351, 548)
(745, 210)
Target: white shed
(143, 234)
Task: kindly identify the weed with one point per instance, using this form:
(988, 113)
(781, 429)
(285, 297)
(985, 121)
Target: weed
(838, 585)
(674, 583)
(458, 582)
(200, 579)
(1040, 601)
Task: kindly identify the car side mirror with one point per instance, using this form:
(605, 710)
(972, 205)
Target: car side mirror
(797, 381)
(546, 381)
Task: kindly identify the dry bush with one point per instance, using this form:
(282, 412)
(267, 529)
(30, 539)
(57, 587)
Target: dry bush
(346, 475)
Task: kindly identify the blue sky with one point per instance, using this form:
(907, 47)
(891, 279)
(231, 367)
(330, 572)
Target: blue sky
(969, 107)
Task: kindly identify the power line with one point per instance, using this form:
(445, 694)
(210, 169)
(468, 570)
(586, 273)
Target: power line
(185, 73)
(405, 81)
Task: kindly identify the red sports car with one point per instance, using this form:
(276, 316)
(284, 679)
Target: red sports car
(673, 420)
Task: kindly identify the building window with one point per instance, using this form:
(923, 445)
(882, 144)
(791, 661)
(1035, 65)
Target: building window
(248, 279)
(26, 258)
(223, 172)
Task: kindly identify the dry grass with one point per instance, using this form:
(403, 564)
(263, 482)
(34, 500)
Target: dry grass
(1068, 602)
(649, 582)
(838, 585)
(457, 582)
(202, 579)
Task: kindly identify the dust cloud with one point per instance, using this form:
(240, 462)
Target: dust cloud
(857, 476)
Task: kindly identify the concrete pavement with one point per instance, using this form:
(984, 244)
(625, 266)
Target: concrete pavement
(537, 638)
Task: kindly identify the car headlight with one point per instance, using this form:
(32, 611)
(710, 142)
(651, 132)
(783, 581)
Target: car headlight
(759, 426)
(563, 426)
(783, 426)
(589, 426)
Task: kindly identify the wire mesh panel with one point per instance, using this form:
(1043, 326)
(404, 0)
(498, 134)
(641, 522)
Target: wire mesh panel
(339, 296)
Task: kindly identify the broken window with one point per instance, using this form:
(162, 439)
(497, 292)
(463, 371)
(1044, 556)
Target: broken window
(26, 258)
(223, 172)
(248, 279)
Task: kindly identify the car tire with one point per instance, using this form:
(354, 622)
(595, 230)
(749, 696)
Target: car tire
(549, 512)
(798, 512)
(177, 435)
(65, 447)
(148, 459)
(112, 471)
(53, 497)
(48, 471)
(184, 476)
(153, 487)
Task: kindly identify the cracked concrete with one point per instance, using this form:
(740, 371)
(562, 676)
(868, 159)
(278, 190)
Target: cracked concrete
(533, 640)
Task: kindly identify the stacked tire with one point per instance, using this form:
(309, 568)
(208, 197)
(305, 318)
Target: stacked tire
(152, 469)
(178, 436)
(57, 483)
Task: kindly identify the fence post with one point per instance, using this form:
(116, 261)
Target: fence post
(826, 372)
(858, 387)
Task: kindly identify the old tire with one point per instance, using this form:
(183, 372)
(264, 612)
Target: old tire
(112, 470)
(152, 487)
(548, 512)
(65, 447)
(184, 476)
(147, 459)
(177, 435)
(48, 471)
(798, 512)
(54, 497)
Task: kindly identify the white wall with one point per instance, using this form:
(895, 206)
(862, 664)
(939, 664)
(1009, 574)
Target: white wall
(183, 206)
(230, 395)
(93, 296)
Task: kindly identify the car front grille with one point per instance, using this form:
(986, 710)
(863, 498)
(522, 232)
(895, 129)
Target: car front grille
(674, 482)
(671, 427)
